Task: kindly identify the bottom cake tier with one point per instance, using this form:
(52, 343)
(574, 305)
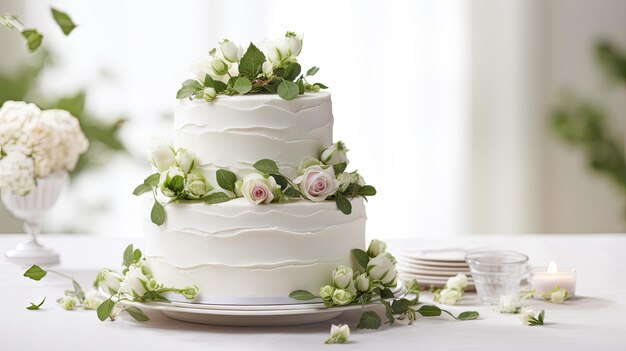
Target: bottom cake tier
(241, 253)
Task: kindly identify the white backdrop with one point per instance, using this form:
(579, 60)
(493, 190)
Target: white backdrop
(395, 70)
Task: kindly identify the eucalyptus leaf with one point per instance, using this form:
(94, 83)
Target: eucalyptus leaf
(242, 85)
(136, 255)
(301, 295)
(78, 291)
(367, 190)
(429, 311)
(288, 90)
(157, 215)
(215, 198)
(33, 38)
(127, 257)
(360, 257)
(312, 71)
(226, 179)
(33, 307)
(369, 320)
(35, 272)
(468, 315)
(187, 91)
(386, 293)
(63, 20)
(266, 166)
(251, 61)
(104, 309)
(137, 314)
(322, 86)
(343, 204)
(142, 189)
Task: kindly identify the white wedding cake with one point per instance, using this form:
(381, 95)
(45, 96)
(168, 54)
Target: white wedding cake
(252, 201)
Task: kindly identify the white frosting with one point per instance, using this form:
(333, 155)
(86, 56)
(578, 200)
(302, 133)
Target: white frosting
(236, 131)
(237, 249)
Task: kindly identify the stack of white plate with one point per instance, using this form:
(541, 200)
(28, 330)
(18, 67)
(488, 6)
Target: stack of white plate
(433, 267)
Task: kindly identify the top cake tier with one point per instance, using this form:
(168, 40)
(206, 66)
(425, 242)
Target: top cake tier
(236, 131)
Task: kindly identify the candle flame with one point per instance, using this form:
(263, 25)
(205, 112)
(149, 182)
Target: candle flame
(552, 267)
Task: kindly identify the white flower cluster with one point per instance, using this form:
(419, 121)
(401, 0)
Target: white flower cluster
(339, 334)
(222, 62)
(453, 291)
(179, 176)
(347, 284)
(35, 143)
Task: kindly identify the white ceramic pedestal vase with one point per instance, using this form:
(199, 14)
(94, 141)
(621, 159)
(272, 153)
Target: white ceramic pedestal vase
(31, 208)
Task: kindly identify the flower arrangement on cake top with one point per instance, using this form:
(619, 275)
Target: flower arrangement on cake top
(35, 144)
(178, 177)
(228, 70)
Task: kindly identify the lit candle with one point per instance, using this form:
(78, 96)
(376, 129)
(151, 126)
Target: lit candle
(544, 280)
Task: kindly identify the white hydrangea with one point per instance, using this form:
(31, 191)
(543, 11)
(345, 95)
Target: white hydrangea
(17, 173)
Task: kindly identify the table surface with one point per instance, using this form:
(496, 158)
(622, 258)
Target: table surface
(596, 318)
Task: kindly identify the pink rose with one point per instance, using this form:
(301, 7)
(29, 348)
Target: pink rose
(258, 189)
(317, 183)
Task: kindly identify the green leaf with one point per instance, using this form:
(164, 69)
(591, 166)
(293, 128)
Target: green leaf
(152, 180)
(33, 307)
(292, 71)
(142, 189)
(367, 190)
(177, 184)
(540, 317)
(292, 193)
(386, 293)
(288, 90)
(137, 314)
(104, 309)
(226, 179)
(369, 320)
(429, 311)
(300, 84)
(157, 215)
(219, 86)
(215, 198)
(242, 85)
(343, 204)
(189, 87)
(400, 306)
(340, 168)
(208, 81)
(127, 257)
(322, 86)
(281, 181)
(35, 272)
(312, 71)
(136, 255)
(301, 295)
(78, 291)
(33, 38)
(266, 166)
(468, 315)
(388, 312)
(272, 86)
(63, 20)
(360, 257)
(251, 62)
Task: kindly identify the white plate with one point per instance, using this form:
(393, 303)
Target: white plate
(437, 282)
(447, 272)
(444, 254)
(410, 260)
(433, 277)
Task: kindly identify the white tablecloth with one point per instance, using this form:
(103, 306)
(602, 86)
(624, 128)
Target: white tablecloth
(595, 319)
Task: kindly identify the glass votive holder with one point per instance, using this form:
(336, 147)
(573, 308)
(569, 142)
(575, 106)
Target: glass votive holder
(496, 273)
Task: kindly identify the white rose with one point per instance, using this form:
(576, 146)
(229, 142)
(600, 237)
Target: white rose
(219, 67)
(526, 314)
(293, 43)
(335, 154)
(342, 277)
(450, 296)
(230, 52)
(317, 183)
(257, 189)
(185, 160)
(342, 297)
(196, 186)
(559, 295)
(172, 182)
(344, 180)
(108, 281)
(508, 304)
(276, 52)
(69, 302)
(376, 247)
(134, 283)
(339, 334)
(268, 70)
(200, 68)
(363, 282)
(383, 269)
(326, 292)
(458, 282)
(17, 173)
(92, 300)
(161, 155)
(209, 94)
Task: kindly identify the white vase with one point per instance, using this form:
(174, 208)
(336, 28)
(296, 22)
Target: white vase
(31, 208)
